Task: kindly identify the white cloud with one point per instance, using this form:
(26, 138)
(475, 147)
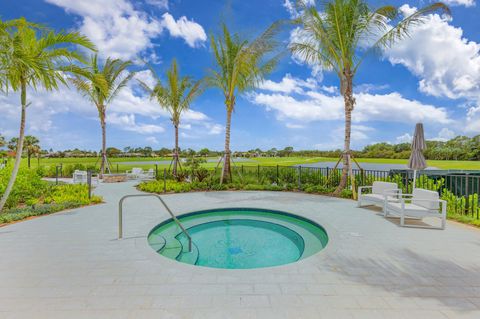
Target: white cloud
(444, 135)
(289, 5)
(192, 32)
(162, 4)
(294, 126)
(127, 122)
(405, 138)
(447, 64)
(473, 120)
(214, 129)
(317, 106)
(115, 26)
(298, 35)
(152, 140)
(289, 85)
(124, 32)
(466, 3)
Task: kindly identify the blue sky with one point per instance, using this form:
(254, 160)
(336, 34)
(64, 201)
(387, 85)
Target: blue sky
(433, 77)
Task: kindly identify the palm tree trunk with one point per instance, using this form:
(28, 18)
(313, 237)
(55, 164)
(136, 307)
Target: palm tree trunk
(175, 151)
(28, 157)
(226, 171)
(18, 156)
(349, 101)
(104, 142)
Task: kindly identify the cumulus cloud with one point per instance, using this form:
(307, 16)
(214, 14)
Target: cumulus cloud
(120, 32)
(162, 4)
(473, 120)
(124, 32)
(447, 64)
(444, 135)
(405, 138)
(152, 140)
(289, 85)
(289, 5)
(465, 3)
(298, 35)
(192, 32)
(318, 106)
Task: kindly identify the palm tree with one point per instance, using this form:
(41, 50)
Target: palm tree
(2, 141)
(32, 147)
(31, 56)
(339, 36)
(175, 96)
(101, 84)
(241, 65)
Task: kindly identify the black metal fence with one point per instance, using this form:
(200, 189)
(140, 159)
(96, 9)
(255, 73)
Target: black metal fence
(461, 191)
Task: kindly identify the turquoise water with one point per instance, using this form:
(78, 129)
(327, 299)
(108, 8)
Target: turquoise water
(239, 238)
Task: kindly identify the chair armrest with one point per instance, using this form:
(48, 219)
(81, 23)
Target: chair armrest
(405, 195)
(361, 188)
(397, 193)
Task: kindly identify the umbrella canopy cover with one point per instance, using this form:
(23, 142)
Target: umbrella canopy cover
(417, 160)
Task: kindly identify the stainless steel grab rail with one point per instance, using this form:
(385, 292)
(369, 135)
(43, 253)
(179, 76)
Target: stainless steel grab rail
(120, 216)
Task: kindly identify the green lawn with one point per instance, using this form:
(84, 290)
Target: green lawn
(263, 161)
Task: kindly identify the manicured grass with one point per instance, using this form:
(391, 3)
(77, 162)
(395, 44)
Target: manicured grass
(263, 161)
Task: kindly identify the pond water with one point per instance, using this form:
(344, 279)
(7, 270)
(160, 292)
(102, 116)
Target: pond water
(366, 166)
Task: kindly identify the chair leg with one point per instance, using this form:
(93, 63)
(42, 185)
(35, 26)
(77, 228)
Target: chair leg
(402, 220)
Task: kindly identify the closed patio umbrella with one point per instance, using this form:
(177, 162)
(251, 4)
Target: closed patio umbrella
(417, 160)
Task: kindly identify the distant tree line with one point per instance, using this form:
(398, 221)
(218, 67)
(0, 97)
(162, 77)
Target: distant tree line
(461, 148)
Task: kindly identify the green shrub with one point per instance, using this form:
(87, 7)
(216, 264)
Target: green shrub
(15, 214)
(28, 186)
(346, 193)
(69, 193)
(67, 170)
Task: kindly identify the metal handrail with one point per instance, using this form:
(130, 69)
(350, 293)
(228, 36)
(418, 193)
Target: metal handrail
(120, 216)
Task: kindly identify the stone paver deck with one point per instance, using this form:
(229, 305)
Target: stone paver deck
(70, 265)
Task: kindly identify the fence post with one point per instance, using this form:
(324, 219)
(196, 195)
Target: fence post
(467, 197)
(117, 169)
(299, 178)
(242, 169)
(258, 173)
(164, 180)
(277, 174)
(89, 182)
(61, 170)
(56, 174)
(156, 171)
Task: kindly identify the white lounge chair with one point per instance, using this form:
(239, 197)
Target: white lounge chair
(135, 173)
(422, 203)
(79, 177)
(381, 191)
(150, 174)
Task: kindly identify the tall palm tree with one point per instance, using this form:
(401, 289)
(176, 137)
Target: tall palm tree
(101, 84)
(31, 56)
(175, 96)
(241, 65)
(340, 34)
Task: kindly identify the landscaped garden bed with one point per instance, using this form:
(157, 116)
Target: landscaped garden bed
(32, 196)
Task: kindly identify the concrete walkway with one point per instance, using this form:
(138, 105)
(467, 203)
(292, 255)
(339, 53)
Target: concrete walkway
(70, 265)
